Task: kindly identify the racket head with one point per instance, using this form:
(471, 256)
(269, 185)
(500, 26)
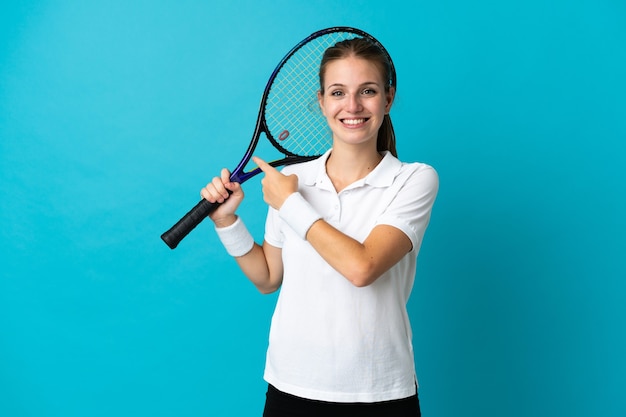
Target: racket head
(289, 114)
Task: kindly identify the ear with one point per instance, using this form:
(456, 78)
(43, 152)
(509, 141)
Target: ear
(320, 101)
(390, 95)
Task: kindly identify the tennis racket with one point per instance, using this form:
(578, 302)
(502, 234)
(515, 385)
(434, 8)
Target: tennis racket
(289, 117)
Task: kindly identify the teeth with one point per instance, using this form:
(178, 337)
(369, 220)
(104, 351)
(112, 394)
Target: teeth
(353, 121)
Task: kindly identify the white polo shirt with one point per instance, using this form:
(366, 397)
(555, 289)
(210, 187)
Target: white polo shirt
(330, 340)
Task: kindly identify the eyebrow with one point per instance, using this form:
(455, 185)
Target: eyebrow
(361, 85)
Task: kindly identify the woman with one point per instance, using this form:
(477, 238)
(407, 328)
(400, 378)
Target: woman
(341, 241)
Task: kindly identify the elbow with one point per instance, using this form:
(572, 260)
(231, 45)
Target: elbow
(362, 282)
(267, 290)
(269, 287)
(362, 275)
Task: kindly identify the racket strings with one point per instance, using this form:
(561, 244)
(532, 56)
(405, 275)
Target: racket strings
(292, 114)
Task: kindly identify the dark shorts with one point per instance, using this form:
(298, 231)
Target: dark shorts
(280, 404)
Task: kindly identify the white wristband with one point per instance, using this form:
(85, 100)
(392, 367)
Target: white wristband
(236, 238)
(298, 214)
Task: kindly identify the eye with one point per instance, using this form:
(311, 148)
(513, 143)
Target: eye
(368, 92)
(336, 93)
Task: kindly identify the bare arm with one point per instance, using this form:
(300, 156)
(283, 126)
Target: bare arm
(262, 264)
(360, 263)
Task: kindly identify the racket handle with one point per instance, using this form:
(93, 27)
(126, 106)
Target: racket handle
(188, 222)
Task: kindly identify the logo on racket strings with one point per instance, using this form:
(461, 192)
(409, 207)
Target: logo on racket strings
(283, 135)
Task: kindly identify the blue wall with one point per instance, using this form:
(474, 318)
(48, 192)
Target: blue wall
(113, 114)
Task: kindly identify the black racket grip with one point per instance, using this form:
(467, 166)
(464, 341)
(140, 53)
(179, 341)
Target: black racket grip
(188, 222)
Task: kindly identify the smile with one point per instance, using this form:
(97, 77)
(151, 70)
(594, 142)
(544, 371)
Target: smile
(353, 122)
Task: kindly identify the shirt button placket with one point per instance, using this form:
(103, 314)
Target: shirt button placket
(336, 212)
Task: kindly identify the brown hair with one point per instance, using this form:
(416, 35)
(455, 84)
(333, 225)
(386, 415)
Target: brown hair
(368, 50)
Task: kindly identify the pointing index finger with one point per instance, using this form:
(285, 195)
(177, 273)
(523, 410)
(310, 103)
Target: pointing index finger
(261, 163)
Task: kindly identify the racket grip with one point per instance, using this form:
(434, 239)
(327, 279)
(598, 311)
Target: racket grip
(188, 222)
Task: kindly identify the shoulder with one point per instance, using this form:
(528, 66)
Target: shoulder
(415, 173)
(421, 171)
(423, 181)
(416, 182)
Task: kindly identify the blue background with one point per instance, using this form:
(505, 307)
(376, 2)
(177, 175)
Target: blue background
(113, 114)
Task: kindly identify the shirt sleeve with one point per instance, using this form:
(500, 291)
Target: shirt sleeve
(411, 208)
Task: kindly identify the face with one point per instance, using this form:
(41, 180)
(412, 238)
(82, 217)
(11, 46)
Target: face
(354, 100)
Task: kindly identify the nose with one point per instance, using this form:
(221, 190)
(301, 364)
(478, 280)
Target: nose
(354, 103)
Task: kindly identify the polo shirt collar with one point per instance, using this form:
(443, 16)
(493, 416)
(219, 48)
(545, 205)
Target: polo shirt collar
(382, 176)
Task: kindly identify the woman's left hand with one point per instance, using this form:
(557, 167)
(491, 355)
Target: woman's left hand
(276, 186)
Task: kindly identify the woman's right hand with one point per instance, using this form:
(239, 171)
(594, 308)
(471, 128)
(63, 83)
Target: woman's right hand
(228, 194)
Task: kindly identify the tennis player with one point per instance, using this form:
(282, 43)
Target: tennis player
(341, 241)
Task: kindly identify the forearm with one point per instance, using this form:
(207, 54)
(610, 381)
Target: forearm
(360, 263)
(256, 268)
(261, 264)
(345, 254)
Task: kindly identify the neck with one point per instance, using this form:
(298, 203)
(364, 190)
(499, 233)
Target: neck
(345, 166)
